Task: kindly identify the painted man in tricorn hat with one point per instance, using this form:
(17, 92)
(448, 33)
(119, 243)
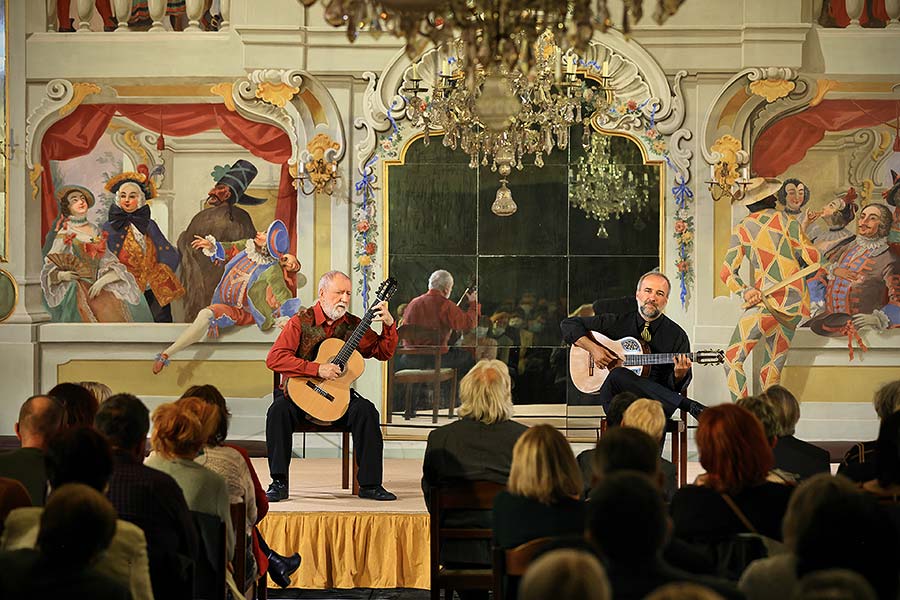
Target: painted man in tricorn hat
(139, 244)
(253, 289)
(222, 219)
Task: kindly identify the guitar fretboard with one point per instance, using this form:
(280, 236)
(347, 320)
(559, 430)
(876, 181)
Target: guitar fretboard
(639, 360)
(350, 345)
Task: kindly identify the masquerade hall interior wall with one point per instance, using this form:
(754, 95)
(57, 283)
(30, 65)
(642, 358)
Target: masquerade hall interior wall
(217, 122)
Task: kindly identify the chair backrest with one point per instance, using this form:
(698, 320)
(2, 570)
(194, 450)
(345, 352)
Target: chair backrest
(459, 495)
(416, 339)
(514, 562)
(240, 568)
(210, 566)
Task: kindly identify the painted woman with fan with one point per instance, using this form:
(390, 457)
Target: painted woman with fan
(83, 282)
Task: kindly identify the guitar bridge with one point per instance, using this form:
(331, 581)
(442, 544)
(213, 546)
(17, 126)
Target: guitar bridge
(320, 391)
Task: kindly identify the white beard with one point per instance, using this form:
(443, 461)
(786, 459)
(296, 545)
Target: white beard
(333, 312)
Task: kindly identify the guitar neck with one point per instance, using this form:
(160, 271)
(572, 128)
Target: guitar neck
(639, 360)
(350, 345)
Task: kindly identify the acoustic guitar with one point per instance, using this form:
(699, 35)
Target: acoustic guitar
(327, 400)
(589, 377)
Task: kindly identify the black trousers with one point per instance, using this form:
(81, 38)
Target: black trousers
(361, 417)
(621, 379)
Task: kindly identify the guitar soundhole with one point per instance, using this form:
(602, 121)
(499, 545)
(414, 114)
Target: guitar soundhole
(631, 346)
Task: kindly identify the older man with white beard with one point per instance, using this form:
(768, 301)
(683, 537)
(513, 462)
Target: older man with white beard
(293, 355)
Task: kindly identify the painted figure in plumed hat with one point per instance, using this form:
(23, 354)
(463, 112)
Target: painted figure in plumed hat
(892, 197)
(253, 289)
(777, 250)
(223, 220)
(139, 244)
(82, 281)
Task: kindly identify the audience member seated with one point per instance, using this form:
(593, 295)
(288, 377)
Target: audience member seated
(617, 407)
(478, 446)
(776, 576)
(763, 408)
(80, 404)
(683, 591)
(148, 498)
(13, 495)
(791, 454)
(885, 486)
(859, 461)
(834, 584)
(81, 455)
(268, 561)
(178, 437)
(100, 391)
(737, 458)
(627, 523)
(39, 419)
(75, 529)
(851, 531)
(565, 574)
(648, 416)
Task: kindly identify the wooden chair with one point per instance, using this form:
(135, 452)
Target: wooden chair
(243, 549)
(514, 562)
(678, 430)
(409, 377)
(460, 495)
(211, 563)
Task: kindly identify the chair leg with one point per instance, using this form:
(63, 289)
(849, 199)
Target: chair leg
(355, 474)
(683, 435)
(436, 401)
(262, 586)
(452, 397)
(408, 412)
(676, 448)
(345, 460)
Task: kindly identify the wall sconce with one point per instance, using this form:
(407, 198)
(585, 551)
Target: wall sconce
(318, 172)
(727, 182)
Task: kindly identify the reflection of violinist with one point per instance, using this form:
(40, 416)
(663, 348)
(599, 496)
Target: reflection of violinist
(433, 310)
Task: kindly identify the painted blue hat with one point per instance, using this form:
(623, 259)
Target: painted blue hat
(277, 239)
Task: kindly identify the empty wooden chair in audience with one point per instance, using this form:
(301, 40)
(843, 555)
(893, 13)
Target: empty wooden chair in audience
(460, 495)
(510, 565)
(410, 378)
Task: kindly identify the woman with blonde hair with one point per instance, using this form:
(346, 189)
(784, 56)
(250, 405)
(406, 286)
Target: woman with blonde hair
(542, 497)
(476, 447)
(179, 434)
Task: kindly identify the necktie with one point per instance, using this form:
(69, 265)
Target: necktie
(645, 333)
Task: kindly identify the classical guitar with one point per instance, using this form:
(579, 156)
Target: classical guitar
(589, 377)
(327, 400)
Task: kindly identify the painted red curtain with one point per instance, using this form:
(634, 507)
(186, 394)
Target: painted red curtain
(786, 142)
(78, 133)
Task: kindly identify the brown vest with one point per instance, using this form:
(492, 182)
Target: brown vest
(311, 335)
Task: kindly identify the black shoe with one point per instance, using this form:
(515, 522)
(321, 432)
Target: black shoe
(278, 490)
(281, 567)
(376, 492)
(695, 409)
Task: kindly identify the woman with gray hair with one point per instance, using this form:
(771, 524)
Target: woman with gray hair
(858, 463)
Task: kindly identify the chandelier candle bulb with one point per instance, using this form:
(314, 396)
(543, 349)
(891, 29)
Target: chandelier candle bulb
(415, 73)
(570, 64)
(745, 173)
(606, 68)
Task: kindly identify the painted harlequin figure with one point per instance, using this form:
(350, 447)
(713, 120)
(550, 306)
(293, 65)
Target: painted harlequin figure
(252, 289)
(776, 249)
(140, 245)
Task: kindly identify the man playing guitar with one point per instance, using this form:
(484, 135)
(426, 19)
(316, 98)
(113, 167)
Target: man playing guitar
(659, 332)
(292, 356)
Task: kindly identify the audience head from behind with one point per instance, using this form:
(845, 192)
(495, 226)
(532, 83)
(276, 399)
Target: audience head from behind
(617, 407)
(627, 520)
(626, 449)
(79, 455)
(79, 402)
(40, 418)
(648, 416)
(565, 574)
(543, 466)
(807, 498)
(839, 527)
(733, 448)
(177, 432)
(763, 408)
(834, 584)
(887, 400)
(787, 409)
(209, 415)
(211, 395)
(125, 421)
(100, 391)
(77, 524)
(683, 590)
(485, 393)
(887, 448)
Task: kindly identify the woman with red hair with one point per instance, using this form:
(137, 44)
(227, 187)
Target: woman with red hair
(733, 495)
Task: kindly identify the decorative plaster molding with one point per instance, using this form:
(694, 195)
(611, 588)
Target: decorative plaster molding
(34, 177)
(772, 89)
(59, 94)
(868, 157)
(224, 90)
(79, 93)
(140, 146)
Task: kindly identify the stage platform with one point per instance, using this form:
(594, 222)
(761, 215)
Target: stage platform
(347, 542)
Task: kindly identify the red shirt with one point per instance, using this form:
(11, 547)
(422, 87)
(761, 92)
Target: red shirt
(282, 357)
(434, 311)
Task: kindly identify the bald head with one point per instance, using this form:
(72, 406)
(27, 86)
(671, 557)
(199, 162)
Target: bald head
(39, 419)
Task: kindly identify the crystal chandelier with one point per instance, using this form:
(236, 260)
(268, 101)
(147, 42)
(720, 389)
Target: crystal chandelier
(493, 32)
(604, 189)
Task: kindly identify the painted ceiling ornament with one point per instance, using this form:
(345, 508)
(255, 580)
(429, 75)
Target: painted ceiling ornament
(80, 91)
(772, 89)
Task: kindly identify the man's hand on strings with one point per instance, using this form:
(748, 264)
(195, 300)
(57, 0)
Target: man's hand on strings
(604, 357)
(329, 371)
(682, 366)
(383, 314)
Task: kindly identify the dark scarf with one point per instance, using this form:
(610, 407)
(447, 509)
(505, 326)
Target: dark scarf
(120, 219)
